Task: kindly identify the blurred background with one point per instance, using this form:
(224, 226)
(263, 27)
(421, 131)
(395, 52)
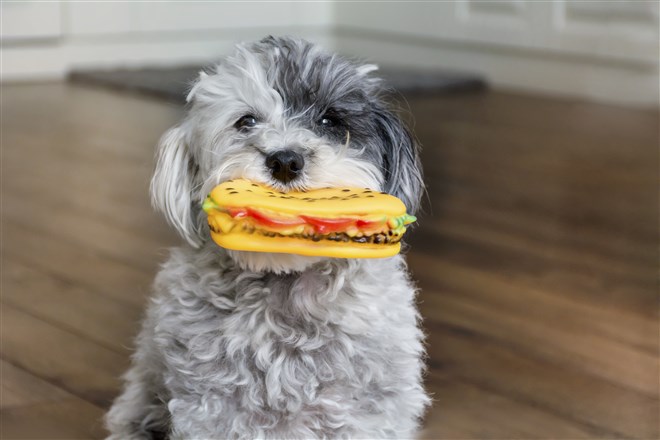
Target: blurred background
(536, 257)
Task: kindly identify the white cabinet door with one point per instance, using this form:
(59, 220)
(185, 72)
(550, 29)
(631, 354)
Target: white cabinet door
(625, 30)
(618, 30)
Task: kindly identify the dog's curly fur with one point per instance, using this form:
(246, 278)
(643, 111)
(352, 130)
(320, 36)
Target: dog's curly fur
(254, 345)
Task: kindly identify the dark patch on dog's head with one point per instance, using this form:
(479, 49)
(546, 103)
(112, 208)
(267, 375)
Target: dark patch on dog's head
(315, 85)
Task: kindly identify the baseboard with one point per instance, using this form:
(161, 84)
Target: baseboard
(633, 84)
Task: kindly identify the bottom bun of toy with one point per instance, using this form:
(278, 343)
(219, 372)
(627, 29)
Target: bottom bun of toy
(240, 241)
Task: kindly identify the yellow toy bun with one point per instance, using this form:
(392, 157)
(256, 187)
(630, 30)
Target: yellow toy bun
(330, 222)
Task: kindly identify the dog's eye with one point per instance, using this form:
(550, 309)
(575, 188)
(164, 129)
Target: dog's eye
(246, 121)
(328, 121)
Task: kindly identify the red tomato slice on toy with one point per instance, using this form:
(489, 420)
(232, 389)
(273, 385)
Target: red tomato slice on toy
(326, 225)
(274, 222)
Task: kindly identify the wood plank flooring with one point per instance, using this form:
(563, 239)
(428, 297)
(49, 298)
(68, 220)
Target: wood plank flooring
(537, 261)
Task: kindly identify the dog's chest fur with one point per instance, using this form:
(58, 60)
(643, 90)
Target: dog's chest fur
(325, 352)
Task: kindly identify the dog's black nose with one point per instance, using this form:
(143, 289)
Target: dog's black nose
(285, 165)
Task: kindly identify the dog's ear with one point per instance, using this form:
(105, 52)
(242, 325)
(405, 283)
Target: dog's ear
(401, 164)
(173, 184)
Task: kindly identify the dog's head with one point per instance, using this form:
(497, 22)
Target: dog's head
(285, 113)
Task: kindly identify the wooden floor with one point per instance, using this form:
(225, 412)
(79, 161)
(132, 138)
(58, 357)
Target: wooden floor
(537, 261)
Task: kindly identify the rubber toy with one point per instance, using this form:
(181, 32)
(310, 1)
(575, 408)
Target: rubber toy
(329, 222)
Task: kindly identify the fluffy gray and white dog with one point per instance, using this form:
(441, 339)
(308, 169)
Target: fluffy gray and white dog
(258, 345)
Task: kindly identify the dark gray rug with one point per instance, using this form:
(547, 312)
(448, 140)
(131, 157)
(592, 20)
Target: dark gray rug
(173, 83)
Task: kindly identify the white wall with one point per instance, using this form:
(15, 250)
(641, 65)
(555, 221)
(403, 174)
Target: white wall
(47, 40)
(602, 50)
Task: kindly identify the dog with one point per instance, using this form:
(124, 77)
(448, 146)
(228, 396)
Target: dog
(255, 345)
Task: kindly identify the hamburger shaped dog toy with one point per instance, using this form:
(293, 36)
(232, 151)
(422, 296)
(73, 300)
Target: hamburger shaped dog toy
(329, 222)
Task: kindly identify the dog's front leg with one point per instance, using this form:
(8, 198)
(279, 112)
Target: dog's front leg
(140, 412)
(137, 414)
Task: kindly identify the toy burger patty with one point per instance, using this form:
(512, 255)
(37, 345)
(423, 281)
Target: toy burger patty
(331, 222)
